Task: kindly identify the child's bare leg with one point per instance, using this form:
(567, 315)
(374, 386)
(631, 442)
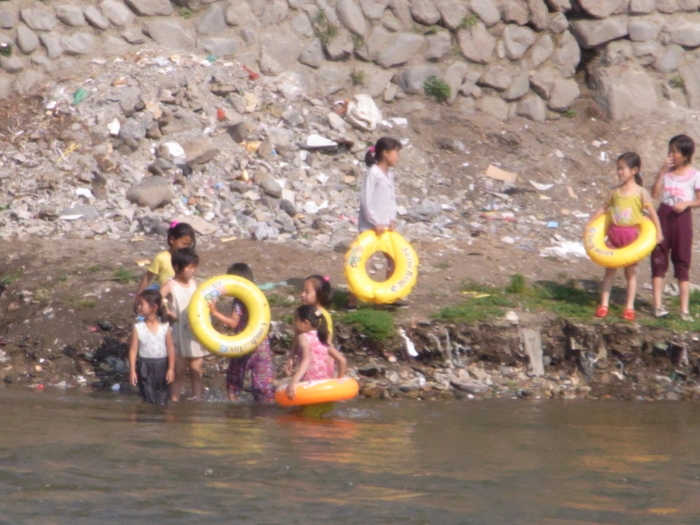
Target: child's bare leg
(607, 286)
(657, 286)
(196, 377)
(631, 275)
(176, 385)
(684, 287)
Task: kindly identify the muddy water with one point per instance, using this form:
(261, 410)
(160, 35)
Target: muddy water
(97, 460)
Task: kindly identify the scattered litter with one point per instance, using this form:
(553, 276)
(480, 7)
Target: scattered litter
(114, 127)
(507, 240)
(142, 262)
(363, 113)
(572, 193)
(552, 224)
(269, 286)
(410, 347)
(84, 192)
(512, 317)
(80, 95)
(476, 295)
(502, 175)
(318, 142)
(559, 154)
(541, 187)
(564, 250)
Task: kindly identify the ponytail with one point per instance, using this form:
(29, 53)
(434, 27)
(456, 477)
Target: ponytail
(315, 317)
(375, 153)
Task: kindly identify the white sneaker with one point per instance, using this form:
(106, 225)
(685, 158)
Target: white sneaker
(660, 312)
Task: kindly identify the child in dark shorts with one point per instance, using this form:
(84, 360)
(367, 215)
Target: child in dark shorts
(678, 187)
(627, 204)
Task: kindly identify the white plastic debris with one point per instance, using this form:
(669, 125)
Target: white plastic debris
(541, 187)
(177, 152)
(363, 113)
(114, 127)
(410, 347)
(318, 142)
(84, 192)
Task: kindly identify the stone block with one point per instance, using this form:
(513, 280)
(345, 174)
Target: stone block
(412, 79)
(213, 21)
(169, 33)
(539, 14)
(690, 73)
(331, 79)
(642, 7)
(497, 77)
(517, 41)
(452, 12)
(476, 43)
(95, 18)
(532, 107)
(117, 13)
(8, 19)
(52, 44)
(27, 41)
(274, 13)
(454, 77)
(624, 91)
(567, 54)
(564, 93)
(312, 55)
(424, 12)
(373, 9)
(486, 11)
(151, 7)
(351, 16)
(78, 43)
(70, 15)
(592, 33)
(38, 19)
(219, 46)
(401, 49)
(686, 34)
(558, 23)
(643, 30)
(494, 106)
(647, 53)
(541, 51)
(600, 8)
(518, 87)
(439, 45)
(514, 11)
(670, 59)
(542, 82)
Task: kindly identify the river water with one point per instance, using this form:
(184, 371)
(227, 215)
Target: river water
(103, 459)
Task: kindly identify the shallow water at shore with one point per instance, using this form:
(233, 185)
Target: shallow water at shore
(82, 459)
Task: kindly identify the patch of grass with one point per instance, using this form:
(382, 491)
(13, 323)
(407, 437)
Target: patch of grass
(186, 13)
(437, 89)
(517, 284)
(375, 324)
(442, 265)
(62, 278)
(11, 278)
(339, 299)
(124, 276)
(569, 113)
(357, 77)
(6, 50)
(93, 269)
(323, 29)
(676, 82)
(469, 21)
(432, 30)
(476, 309)
(86, 303)
(287, 318)
(278, 300)
(357, 41)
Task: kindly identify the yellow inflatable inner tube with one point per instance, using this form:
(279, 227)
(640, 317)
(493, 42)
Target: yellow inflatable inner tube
(600, 253)
(258, 316)
(323, 391)
(405, 271)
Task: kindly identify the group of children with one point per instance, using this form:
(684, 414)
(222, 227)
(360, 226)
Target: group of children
(163, 348)
(677, 186)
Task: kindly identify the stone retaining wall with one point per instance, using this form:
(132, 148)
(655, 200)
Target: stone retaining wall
(503, 57)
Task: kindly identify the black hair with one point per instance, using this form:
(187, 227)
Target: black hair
(632, 160)
(154, 299)
(684, 145)
(322, 287)
(382, 145)
(313, 315)
(241, 270)
(183, 257)
(179, 230)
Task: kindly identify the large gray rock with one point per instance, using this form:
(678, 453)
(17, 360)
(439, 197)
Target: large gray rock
(331, 79)
(560, 6)
(424, 12)
(78, 43)
(452, 12)
(151, 192)
(671, 59)
(275, 12)
(518, 87)
(5, 87)
(341, 46)
(219, 46)
(600, 8)
(439, 45)
(642, 7)
(486, 11)
(558, 23)
(514, 11)
(401, 49)
(497, 77)
(151, 7)
(567, 55)
(691, 77)
(517, 40)
(213, 21)
(412, 79)
(132, 132)
(454, 77)
(351, 17)
(402, 11)
(592, 33)
(38, 19)
(647, 53)
(134, 35)
(378, 40)
(270, 187)
(392, 22)
(689, 6)
(643, 30)
(52, 44)
(169, 33)
(95, 18)
(268, 65)
(241, 14)
(27, 41)
(542, 82)
(539, 14)
(476, 43)
(494, 106)
(301, 25)
(117, 13)
(374, 9)
(532, 107)
(11, 64)
(8, 19)
(667, 6)
(70, 15)
(312, 55)
(564, 93)
(686, 34)
(623, 91)
(541, 51)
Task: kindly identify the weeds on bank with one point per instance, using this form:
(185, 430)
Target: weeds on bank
(566, 300)
(676, 82)
(357, 77)
(437, 89)
(323, 29)
(469, 21)
(10, 278)
(377, 325)
(124, 276)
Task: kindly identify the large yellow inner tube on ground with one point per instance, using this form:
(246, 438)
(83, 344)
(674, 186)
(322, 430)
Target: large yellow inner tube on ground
(405, 272)
(600, 253)
(254, 301)
(323, 391)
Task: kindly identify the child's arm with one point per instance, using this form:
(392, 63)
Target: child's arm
(170, 347)
(598, 213)
(655, 219)
(230, 321)
(165, 293)
(340, 359)
(143, 283)
(133, 351)
(290, 357)
(303, 344)
(659, 182)
(682, 206)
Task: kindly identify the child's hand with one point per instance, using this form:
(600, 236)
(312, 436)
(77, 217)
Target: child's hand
(667, 165)
(212, 306)
(288, 366)
(170, 376)
(681, 206)
(132, 377)
(380, 228)
(290, 389)
(171, 316)
(659, 237)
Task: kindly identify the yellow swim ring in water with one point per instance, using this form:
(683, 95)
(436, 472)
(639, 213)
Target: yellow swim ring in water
(254, 301)
(600, 253)
(405, 272)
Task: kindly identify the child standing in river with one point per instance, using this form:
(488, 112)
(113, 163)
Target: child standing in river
(151, 353)
(678, 187)
(188, 353)
(627, 204)
(259, 362)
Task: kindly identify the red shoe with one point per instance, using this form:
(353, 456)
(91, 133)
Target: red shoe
(602, 311)
(628, 314)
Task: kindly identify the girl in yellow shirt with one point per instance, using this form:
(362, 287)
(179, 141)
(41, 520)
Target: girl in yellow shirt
(627, 204)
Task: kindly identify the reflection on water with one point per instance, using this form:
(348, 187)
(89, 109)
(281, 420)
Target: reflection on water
(83, 459)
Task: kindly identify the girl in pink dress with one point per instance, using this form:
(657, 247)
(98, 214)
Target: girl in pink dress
(312, 347)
